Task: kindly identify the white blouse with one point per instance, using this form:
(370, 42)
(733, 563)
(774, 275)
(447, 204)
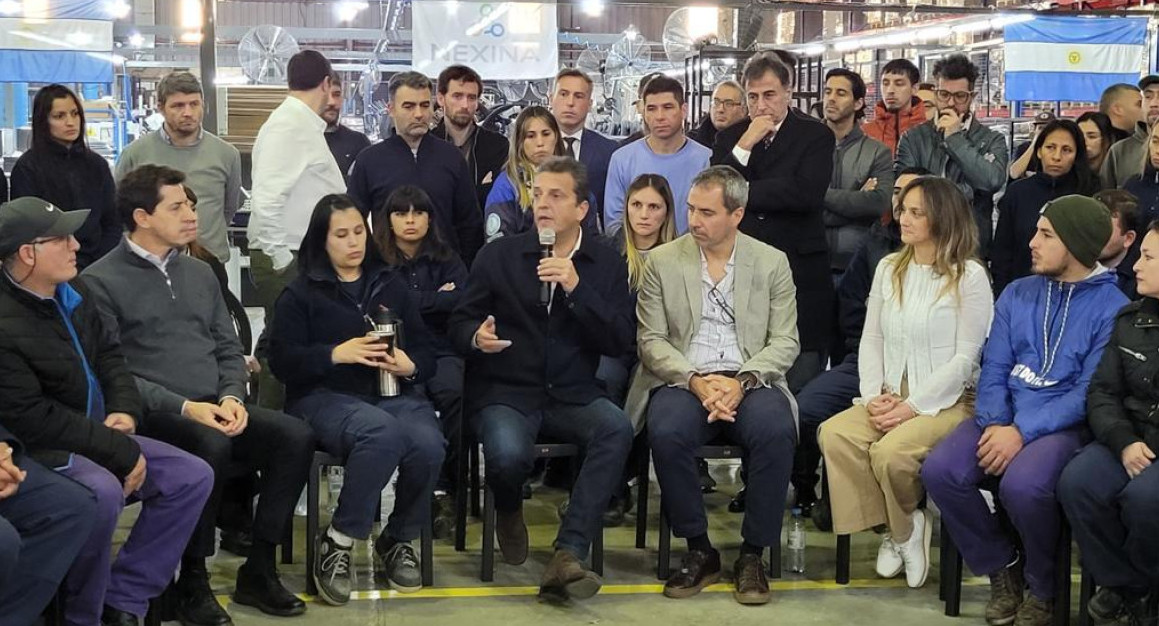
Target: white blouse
(931, 338)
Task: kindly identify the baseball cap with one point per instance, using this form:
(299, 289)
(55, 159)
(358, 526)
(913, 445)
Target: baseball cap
(27, 219)
(1044, 117)
(1148, 80)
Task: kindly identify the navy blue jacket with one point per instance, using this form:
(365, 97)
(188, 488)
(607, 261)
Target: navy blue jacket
(1145, 188)
(595, 153)
(1017, 221)
(857, 280)
(314, 315)
(553, 357)
(424, 276)
(439, 169)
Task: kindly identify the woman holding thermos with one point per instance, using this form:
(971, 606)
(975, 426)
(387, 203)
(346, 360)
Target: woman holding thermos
(349, 343)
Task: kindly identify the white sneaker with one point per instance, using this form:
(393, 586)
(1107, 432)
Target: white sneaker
(916, 551)
(889, 563)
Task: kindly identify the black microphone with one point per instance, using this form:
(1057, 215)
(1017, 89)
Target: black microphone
(546, 245)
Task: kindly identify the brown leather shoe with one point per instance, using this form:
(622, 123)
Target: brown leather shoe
(566, 578)
(752, 586)
(512, 535)
(697, 570)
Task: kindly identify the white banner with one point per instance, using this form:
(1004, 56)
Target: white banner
(500, 40)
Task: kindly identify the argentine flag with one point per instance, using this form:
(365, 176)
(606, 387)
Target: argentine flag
(57, 41)
(1073, 58)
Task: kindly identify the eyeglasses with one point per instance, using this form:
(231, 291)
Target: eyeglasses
(727, 104)
(60, 239)
(717, 298)
(960, 97)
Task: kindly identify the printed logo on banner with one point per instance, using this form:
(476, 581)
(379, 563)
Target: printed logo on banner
(500, 40)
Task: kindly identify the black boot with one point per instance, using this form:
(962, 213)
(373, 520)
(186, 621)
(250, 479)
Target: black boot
(196, 605)
(115, 617)
(263, 590)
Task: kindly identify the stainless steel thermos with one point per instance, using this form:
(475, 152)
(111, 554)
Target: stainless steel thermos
(387, 328)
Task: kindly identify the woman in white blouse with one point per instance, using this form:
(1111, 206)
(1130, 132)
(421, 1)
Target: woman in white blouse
(927, 317)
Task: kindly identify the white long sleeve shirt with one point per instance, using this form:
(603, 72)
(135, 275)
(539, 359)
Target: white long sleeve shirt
(933, 338)
(292, 170)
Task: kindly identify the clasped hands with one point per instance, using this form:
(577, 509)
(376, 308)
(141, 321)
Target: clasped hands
(888, 411)
(719, 395)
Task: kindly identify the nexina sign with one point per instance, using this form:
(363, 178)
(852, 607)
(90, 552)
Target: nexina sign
(501, 40)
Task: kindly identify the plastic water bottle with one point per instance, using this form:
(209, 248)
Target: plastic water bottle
(795, 555)
(334, 482)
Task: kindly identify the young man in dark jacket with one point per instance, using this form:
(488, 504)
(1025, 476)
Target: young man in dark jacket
(44, 520)
(180, 344)
(829, 393)
(1047, 337)
(533, 330)
(1110, 491)
(345, 143)
(66, 392)
(412, 156)
(457, 92)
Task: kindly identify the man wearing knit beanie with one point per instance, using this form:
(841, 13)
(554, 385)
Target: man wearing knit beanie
(1046, 339)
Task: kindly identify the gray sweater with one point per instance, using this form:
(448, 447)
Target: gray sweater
(212, 169)
(1125, 159)
(175, 331)
(849, 212)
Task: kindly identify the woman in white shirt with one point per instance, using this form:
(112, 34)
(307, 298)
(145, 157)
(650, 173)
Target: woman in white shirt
(927, 317)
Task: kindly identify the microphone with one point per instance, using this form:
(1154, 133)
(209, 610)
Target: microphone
(546, 245)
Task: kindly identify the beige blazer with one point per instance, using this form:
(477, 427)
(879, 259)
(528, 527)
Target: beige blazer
(669, 306)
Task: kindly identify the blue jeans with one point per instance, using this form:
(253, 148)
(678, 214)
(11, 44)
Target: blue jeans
(375, 435)
(42, 528)
(599, 428)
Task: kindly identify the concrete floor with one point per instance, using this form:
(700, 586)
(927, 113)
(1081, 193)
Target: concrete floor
(631, 593)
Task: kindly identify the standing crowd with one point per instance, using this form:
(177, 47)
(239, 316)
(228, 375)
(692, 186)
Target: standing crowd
(837, 294)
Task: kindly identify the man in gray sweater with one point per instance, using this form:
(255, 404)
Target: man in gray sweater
(862, 180)
(212, 166)
(181, 345)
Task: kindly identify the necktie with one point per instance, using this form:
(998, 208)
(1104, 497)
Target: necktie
(570, 141)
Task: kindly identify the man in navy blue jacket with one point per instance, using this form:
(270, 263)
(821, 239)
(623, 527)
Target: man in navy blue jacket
(45, 518)
(1045, 343)
(570, 102)
(531, 369)
(412, 156)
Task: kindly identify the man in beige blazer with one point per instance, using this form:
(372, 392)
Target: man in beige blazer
(717, 332)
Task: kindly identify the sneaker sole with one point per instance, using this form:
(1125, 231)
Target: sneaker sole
(927, 537)
(401, 588)
(680, 593)
(900, 569)
(240, 597)
(752, 599)
(1002, 621)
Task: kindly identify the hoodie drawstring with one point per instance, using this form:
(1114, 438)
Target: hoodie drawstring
(1047, 353)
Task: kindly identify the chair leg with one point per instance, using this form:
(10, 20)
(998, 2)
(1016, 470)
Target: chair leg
(953, 584)
(487, 574)
(1062, 582)
(312, 515)
(663, 565)
(642, 485)
(775, 560)
(843, 558)
(598, 552)
(461, 477)
(476, 482)
(427, 561)
(1086, 592)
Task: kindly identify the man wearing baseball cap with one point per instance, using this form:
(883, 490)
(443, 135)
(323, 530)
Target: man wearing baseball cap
(1047, 337)
(66, 392)
(1022, 152)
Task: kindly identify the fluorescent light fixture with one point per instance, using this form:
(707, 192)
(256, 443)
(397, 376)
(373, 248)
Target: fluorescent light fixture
(191, 14)
(79, 39)
(1006, 20)
(848, 45)
(191, 37)
(348, 10)
(119, 9)
(814, 50)
(136, 40)
(592, 8)
(632, 32)
(10, 7)
(934, 32)
(972, 27)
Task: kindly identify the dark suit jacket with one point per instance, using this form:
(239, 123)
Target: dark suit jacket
(595, 153)
(787, 183)
(553, 357)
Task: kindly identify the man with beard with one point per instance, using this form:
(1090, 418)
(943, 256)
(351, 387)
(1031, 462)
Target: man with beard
(345, 143)
(459, 88)
(859, 191)
(900, 108)
(728, 108)
(1121, 251)
(212, 166)
(410, 156)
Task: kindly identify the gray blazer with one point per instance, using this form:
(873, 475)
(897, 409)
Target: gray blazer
(669, 307)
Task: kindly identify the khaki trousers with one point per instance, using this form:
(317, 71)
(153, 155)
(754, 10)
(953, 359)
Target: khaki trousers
(874, 477)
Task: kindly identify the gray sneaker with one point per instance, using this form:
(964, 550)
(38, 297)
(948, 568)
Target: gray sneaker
(400, 565)
(332, 572)
(1007, 588)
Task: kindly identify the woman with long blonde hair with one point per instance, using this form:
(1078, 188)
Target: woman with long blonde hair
(650, 219)
(927, 316)
(534, 139)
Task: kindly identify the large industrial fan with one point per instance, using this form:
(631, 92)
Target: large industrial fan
(264, 52)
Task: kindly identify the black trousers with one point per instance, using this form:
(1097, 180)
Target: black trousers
(277, 445)
(445, 390)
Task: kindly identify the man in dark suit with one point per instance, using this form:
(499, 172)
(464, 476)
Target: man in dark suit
(570, 102)
(532, 355)
(787, 157)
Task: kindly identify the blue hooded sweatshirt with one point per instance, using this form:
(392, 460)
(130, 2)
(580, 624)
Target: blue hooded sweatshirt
(1039, 383)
